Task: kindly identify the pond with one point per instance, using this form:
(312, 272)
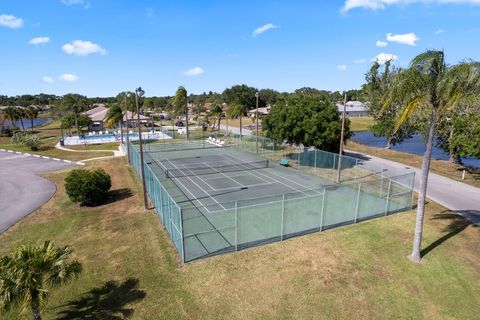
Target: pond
(415, 145)
(27, 123)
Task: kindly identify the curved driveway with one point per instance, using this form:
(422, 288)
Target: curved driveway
(21, 190)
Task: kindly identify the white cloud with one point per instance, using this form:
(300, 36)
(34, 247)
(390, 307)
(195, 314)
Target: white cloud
(384, 57)
(73, 2)
(263, 28)
(47, 79)
(358, 61)
(407, 38)
(381, 4)
(194, 71)
(83, 48)
(39, 40)
(342, 67)
(381, 44)
(439, 31)
(68, 77)
(10, 21)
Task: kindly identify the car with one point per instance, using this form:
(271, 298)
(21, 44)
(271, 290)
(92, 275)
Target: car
(179, 124)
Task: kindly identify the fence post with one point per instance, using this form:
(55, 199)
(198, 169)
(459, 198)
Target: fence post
(333, 167)
(355, 169)
(358, 202)
(182, 234)
(388, 195)
(323, 209)
(298, 161)
(283, 213)
(236, 225)
(314, 162)
(381, 182)
(412, 190)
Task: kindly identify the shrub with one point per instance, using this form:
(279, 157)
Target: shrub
(6, 133)
(87, 187)
(29, 140)
(32, 141)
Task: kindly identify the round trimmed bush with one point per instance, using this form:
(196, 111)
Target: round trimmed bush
(87, 187)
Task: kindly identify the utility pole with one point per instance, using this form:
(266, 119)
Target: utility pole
(127, 94)
(186, 116)
(340, 152)
(139, 93)
(256, 115)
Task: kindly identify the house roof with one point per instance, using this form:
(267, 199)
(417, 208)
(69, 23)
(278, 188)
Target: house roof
(263, 110)
(352, 106)
(97, 114)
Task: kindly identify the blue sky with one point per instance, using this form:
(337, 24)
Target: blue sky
(102, 47)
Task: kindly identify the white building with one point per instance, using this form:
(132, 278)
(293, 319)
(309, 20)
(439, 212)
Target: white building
(354, 109)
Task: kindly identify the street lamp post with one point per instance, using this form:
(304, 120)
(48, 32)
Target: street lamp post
(340, 152)
(256, 115)
(139, 93)
(127, 94)
(186, 116)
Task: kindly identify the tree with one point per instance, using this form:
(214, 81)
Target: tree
(87, 187)
(216, 111)
(269, 96)
(379, 81)
(236, 110)
(27, 274)
(115, 114)
(179, 104)
(31, 113)
(12, 114)
(306, 119)
(430, 85)
(75, 104)
(244, 95)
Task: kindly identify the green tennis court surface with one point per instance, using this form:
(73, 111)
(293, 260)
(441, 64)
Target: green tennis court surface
(219, 199)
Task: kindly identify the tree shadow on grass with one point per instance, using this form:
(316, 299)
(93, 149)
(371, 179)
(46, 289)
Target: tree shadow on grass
(108, 302)
(457, 225)
(117, 195)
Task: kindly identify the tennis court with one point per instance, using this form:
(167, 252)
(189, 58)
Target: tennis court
(219, 199)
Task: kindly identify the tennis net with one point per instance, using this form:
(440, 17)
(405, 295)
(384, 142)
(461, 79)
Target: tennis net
(198, 171)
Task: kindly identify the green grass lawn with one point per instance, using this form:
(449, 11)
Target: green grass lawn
(96, 147)
(359, 271)
(360, 123)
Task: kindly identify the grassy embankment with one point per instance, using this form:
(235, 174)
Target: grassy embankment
(445, 168)
(359, 271)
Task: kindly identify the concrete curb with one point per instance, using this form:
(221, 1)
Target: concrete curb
(44, 157)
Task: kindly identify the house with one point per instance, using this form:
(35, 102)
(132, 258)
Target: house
(98, 116)
(132, 119)
(354, 109)
(261, 111)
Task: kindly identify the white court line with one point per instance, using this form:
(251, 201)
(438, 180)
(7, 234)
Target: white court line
(211, 187)
(200, 189)
(264, 175)
(224, 176)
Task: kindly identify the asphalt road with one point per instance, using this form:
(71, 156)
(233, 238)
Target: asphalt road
(22, 191)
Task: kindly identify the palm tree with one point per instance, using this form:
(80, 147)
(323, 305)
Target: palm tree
(74, 103)
(236, 110)
(27, 274)
(115, 115)
(11, 114)
(431, 85)
(32, 113)
(216, 111)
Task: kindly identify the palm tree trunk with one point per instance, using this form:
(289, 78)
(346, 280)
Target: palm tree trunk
(35, 310)
(453, 152)
(241, 116)
(31, 124)
(389, 143)
(417, 240)
(76, 124)
(23, 127)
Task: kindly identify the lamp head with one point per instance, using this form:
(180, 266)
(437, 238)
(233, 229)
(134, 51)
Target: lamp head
(139, 91)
